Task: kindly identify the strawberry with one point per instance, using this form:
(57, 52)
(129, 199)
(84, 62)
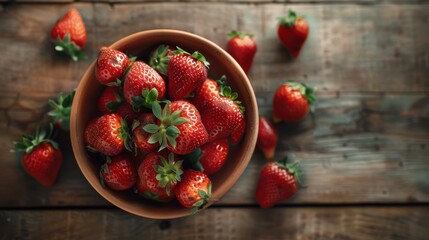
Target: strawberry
(108, 135)
(143, 85)
(210, 157)
(42, 158)
(160, 57)
(242, 48)
(220, 110)
(141, 137)
(186, 72)
(61, 110)
(111, 66)
(179, 127)
(159, 175)
(292, 102)
(278, 181)
(292, 32)
(267, 138)
(194, 190)
(118, 173)
(109, 100)
(126, 111)
(69, 35)
(238, 133)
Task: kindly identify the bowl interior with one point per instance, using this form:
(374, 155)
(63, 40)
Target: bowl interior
(140, 44)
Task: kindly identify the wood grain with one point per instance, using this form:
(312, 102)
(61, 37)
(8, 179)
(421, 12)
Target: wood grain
(351, 48)
(357, 148)
(233, 223)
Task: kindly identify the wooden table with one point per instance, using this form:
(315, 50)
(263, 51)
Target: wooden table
(365, 152)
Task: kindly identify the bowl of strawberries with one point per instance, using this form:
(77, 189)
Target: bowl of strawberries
(163, 123)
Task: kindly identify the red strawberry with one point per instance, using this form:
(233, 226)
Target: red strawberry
(160, 57)
(143, 85)
(211, 157)
(267, 137)
(108, 135)
(292, 102)
(179, 127)
(242, 48)
(109, 100)
(186, 72)
(194, 190)
(141, 137)
(238, 133)
(42, 158)
(61, 110)
(119, 172)
(111, 66)
(292, 32)
(220, 110)
(277, 182)
(159, 176)
(126, 111)
(69, 35)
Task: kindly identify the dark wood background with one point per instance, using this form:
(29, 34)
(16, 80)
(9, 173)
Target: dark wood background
(365, 151)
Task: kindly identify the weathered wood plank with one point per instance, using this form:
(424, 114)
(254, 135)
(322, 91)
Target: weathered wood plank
(231, 223)
(369, 148)
(351, 48)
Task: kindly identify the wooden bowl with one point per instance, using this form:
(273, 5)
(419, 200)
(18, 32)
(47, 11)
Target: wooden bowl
(140, 44)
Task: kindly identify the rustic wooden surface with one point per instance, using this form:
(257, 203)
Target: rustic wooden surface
(367, 143)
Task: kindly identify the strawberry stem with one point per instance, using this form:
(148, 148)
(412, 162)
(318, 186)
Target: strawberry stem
(168, 172)
(241, 35)
(159, 59)
(226, 91)
(61, 109)
(29, 142)
(69, 48)
(147, 98)
(306, 90)
(290, 19)
(292, 168)
(205, 197)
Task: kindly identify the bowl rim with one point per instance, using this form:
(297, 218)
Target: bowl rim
(240, 168)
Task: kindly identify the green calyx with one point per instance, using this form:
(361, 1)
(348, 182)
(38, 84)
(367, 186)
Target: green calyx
(169, 172)
(147, 98)
(159, 59)
(166, 132)
(114, 105)
(306, 90)
(197, 55)
(193, 159)
(61, 109)
(29, 142)
(292, 168)
(241, 35)
(124, 133)
(205, 197)
(290, 19)
(69, 47)
(226, 91)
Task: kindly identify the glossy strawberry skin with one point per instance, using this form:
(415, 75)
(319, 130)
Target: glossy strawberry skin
(214, 155)
(43, 163)
(187, 189)
(185, 74)
(294, 37)
(239, 132)
(141, 137)
(104, 135)
(275, 184)
(142, 76)
(73, 24)
(192, 133)
(267, 137)
(220, 115)
(289, 104)
(109, 100)
(111, 65)
(148, 185)
(243, 50)
(119, 173)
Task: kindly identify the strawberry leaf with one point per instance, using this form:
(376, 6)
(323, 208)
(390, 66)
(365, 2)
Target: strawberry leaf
(290, 19)
(306, 90)
(61, 109)
(241, 35)
(151, 128)
(69, 48)
(168, 172)
(159, 59)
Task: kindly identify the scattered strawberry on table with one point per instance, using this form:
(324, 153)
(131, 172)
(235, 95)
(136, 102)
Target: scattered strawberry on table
(69, 35)
(175, 111)
(278, 181)
(242, 48)
(267, 138)
(61, 109)
(292, 102)
(293, 32)
(42, 158)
